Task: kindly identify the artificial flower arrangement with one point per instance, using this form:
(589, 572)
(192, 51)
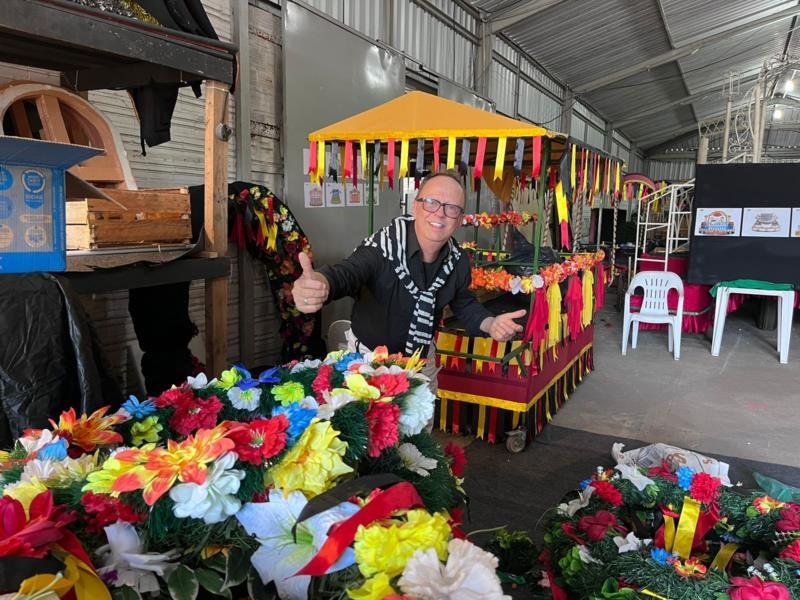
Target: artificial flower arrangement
(317, 478)
(490, 220)
(670, 534)
(498, 279)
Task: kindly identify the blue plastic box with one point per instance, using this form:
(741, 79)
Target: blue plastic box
(32, 202)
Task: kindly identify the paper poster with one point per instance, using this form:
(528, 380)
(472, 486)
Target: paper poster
(766, 222)
(334, 194)
(356, 196)
(313, 195)
(796, 222)
(718, 222)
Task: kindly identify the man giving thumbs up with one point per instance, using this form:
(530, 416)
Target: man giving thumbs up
(403, 276)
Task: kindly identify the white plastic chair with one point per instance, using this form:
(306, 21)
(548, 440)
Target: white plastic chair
(336, 335)
(654, 309)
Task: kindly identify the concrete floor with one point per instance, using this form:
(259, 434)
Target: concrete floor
(743, 403)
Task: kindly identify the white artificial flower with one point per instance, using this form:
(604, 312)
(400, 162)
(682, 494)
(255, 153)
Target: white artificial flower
(35, 442)
(46, 471)
(468, 575)
(516, 285)
(417, 410)
(306, 364)
(124, 554)
(630, 543)
(334, 400)
(582, 501)
(309, 402)
(200, 382)
(244, 399)
(213, 500)
(415, 461)
(284, 552)
(586, 557)
(634, 475)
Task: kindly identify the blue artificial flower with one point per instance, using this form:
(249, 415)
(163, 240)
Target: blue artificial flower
(247, 384)
(55, 451)
(138, 410)
(660, 555)
(245, 374)
(345, 361)
(685, 476)
(299, 419)
(585, 483)
(731, 539)
(269, 376)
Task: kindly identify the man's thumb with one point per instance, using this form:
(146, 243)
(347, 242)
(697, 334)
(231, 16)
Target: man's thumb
(305, 264)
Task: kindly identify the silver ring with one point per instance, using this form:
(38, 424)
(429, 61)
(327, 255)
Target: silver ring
(305, 300)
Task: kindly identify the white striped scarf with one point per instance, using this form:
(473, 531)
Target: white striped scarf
(391, 241)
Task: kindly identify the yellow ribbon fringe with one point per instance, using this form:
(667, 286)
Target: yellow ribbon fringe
(588, 288)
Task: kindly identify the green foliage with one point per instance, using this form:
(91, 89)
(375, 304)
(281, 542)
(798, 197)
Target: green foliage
(515, 551)
(183, 584)
(350, 421)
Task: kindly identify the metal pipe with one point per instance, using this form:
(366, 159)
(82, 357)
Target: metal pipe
(727, 134)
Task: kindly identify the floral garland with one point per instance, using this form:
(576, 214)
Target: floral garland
(666, 533)
(264, 225)
(498, 279)
(489, 220)
(205, 491)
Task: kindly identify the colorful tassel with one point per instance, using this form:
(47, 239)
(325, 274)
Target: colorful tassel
(588, 285)
(553, 315)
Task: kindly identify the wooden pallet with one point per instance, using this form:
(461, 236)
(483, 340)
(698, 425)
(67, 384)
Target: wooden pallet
(132, 217)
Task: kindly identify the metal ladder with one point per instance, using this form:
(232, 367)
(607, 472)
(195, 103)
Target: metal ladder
(675, 222)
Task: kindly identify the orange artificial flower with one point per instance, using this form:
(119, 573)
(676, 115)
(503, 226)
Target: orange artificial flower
(159, 468)
(88, 432)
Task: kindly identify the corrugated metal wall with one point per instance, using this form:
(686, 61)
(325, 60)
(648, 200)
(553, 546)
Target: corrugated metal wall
(670, 170)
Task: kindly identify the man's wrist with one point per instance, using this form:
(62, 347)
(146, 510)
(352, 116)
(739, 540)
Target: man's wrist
(486, 324)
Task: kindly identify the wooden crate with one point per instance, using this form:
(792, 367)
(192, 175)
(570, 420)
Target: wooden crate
(158, 216)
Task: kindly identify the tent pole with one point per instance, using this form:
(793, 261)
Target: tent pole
(371, 191)
(541, 189)
(477, 204)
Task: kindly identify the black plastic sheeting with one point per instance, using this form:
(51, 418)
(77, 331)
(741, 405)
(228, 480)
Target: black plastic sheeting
(50, 358)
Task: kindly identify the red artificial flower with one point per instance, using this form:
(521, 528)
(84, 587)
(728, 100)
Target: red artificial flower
(705, 488)
(102, 510)
(606, 492)
(756, 588)
(456, 452)
(31, 535)
(244, 194)
(322, 382)
(382, 418)
(789, 521)
(174, 396)
(194, 413)
(596, 526)
(569, 530)
(390, 385)
(663, 470)
(791, 552)
(261, 439)
(455, 522)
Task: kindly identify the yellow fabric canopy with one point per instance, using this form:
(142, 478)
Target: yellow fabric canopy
(420, 115)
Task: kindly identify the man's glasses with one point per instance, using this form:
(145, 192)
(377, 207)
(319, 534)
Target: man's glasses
(432, 205)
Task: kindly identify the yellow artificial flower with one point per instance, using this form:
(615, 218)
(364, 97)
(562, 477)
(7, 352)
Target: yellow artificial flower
(293, 236)
(291, 391)
(146, 430)
(335, 356)
(102, 480)
(376, 588)
(25, 491)
(381, 549)
(229, 378)
(415, 362)
(356, 383)
(314, 463)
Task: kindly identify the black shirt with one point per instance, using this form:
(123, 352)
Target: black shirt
(384, 307)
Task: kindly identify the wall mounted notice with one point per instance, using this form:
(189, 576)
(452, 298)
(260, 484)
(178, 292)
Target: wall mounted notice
(718, 221)
(766, 222)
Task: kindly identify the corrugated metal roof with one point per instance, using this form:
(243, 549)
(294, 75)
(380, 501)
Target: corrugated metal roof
(582, 40)
(688, 19)
(661, 126)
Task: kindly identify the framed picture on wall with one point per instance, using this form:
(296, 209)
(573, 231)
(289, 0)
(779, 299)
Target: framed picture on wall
(796, 222)
(766, 222)
(718, 222)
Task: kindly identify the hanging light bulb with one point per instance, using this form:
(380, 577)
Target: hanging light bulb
(788, 86)
(777, 114)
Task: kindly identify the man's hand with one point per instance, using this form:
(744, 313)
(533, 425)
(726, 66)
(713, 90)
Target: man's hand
(502, 327)
(310, 290)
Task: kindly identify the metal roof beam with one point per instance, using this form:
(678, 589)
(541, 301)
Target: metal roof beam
(687, 49)
(505, 19)
(691, 98)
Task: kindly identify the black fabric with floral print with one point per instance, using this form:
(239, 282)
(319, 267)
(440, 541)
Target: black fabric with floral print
(262, 224)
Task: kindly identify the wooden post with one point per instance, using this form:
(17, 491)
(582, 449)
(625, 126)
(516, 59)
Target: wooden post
(215, 226)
